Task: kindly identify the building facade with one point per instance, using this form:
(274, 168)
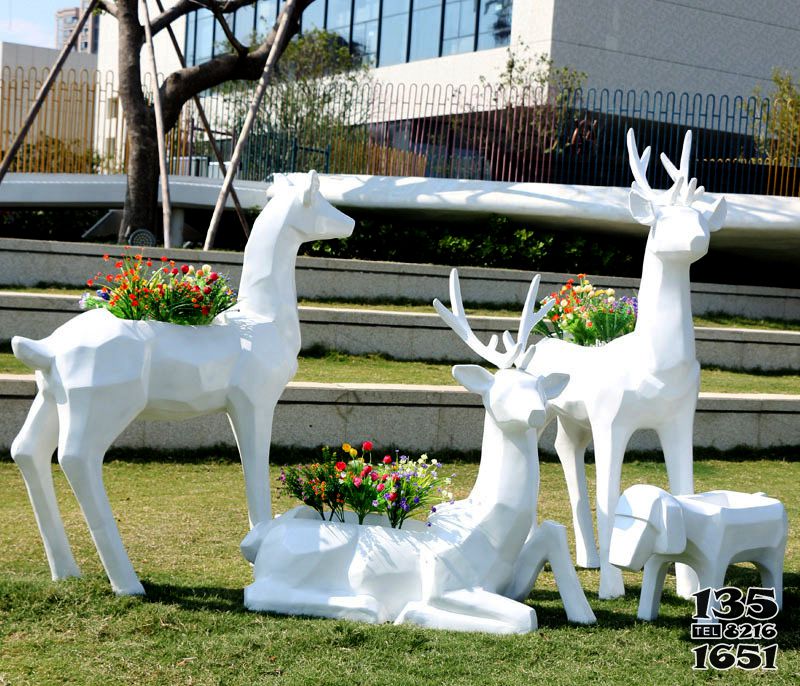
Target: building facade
(67, 19)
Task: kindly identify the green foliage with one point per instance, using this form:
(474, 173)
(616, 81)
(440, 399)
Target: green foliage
(492, 242)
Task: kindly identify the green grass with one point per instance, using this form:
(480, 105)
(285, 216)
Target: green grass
(710, 319)
(335, 367)
(181, 524)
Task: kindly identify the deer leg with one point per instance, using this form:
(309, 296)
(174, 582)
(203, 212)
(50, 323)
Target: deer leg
(677, 445)
(32, 451)
(655, 570)
(267, 595)
(252, 427)
(609, 451)
(770, 565)
(471, 609)
(89, 423)
(570, 444)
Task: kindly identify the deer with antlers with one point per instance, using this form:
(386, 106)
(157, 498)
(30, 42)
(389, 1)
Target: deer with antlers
(649, 378)
(468, 570)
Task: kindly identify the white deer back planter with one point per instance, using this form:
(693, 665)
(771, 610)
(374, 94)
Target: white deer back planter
(467, 570)
(649, 378)
(97, 373)
(707, 531)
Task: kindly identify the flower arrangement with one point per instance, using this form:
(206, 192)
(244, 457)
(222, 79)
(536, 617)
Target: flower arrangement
(396, 487)
(164, 293)
(587, 315)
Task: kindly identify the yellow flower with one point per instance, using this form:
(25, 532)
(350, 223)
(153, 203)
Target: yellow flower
(611, 291)
(353, 452)
(346, 447)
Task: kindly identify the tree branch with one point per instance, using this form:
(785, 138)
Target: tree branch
(108, 6)
(220, 17)
(183, 84)
(183, 7)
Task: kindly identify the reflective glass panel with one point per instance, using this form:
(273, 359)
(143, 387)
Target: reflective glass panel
(494, 24)
(191, 28)
(425, 24)
(245, 24)
(338, 15)
(266, 13)
(314, 16)
(394, 39)
(459, 26)
(204, 41)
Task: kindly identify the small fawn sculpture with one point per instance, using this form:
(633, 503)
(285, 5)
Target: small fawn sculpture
(465, 571)
(97, 373)
(649, 378)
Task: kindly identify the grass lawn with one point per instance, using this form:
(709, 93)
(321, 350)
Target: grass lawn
(182, 523)
(335, 367)
(712, 319)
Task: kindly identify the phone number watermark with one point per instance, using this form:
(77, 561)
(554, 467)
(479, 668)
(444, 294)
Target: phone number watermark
(739, 624)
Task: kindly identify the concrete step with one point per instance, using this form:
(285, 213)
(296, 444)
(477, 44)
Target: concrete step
(418, 336)
(416, 418)
(27, 263)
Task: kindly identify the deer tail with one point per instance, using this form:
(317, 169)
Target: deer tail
(33, 353)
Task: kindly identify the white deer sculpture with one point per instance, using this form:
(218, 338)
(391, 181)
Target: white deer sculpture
(97, 373)
(649, 378)
(467, 569)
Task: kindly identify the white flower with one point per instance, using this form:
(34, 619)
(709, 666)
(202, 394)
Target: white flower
(611, 299)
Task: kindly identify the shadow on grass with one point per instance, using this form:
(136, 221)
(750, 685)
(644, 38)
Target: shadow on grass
(197, 598)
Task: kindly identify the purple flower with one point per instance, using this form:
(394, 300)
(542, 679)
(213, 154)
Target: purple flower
(433, 508)
(104, 295)
(416, 500)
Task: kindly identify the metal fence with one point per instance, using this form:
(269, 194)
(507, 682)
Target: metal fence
(742, 145)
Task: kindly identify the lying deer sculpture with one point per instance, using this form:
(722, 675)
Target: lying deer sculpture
(97, 373)
(649, 378)
(459, 572)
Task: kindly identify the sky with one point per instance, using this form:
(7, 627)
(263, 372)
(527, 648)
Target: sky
(31, 21)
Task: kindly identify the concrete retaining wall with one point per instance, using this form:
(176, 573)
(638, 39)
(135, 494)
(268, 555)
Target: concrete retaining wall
(416, 418)
(417, 336)
(27, 262)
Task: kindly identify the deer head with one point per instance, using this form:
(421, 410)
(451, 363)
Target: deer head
(514, 398)
(313, 217)
(678, 228)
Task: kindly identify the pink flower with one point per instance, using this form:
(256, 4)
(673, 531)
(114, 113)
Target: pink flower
(387, 459)
(373, 476)
(367, 469)
(357, 481)
(380, 487)
(367, 445)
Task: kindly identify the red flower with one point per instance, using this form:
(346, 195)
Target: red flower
(213, 276)
(367, 445)
(204, 309)
(340, 466)
(174, 271)
(149, 263)
(90, 283)
(387, 459)
(185, 268)
(380, 487)
(207, 290)
(367, 469)
(118, 265)
(392, 496)
(106, 258)
(163, 258)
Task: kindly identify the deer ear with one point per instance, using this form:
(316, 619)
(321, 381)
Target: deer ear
(554, 384)
(716, 216)
(310, 188)
(473, 377)
(641, 208)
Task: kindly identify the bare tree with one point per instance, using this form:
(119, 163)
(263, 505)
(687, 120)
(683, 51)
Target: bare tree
(240, 63)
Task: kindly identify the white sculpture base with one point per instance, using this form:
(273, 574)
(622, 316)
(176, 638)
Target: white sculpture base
(707, 531)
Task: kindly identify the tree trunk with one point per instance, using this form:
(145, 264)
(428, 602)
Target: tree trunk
(141, 196)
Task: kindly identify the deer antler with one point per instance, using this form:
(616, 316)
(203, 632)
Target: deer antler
(457, 320)
(684, 190)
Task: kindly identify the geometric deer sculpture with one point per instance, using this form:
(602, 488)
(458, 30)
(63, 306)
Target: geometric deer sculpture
(97, 373)
(463, 571)
(708, 531)
(649, 378)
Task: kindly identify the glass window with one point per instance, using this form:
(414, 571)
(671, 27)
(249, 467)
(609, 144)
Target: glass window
(338, 16)
(191, 27)
(459, 26)
(394, 32)
(204, 39)
(266, 13)
(245, 24)
(426, 20)
(494, 24)
(314, 16)
(365, 29)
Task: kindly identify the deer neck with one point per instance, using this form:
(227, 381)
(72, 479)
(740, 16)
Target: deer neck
(508, 472)
(267, 288)
(664, 324)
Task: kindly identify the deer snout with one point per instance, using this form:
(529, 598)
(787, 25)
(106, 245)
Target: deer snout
(537, 417)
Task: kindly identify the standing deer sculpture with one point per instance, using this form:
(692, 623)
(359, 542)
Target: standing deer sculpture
(648, 378)
(97, 373)
(470, 567)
